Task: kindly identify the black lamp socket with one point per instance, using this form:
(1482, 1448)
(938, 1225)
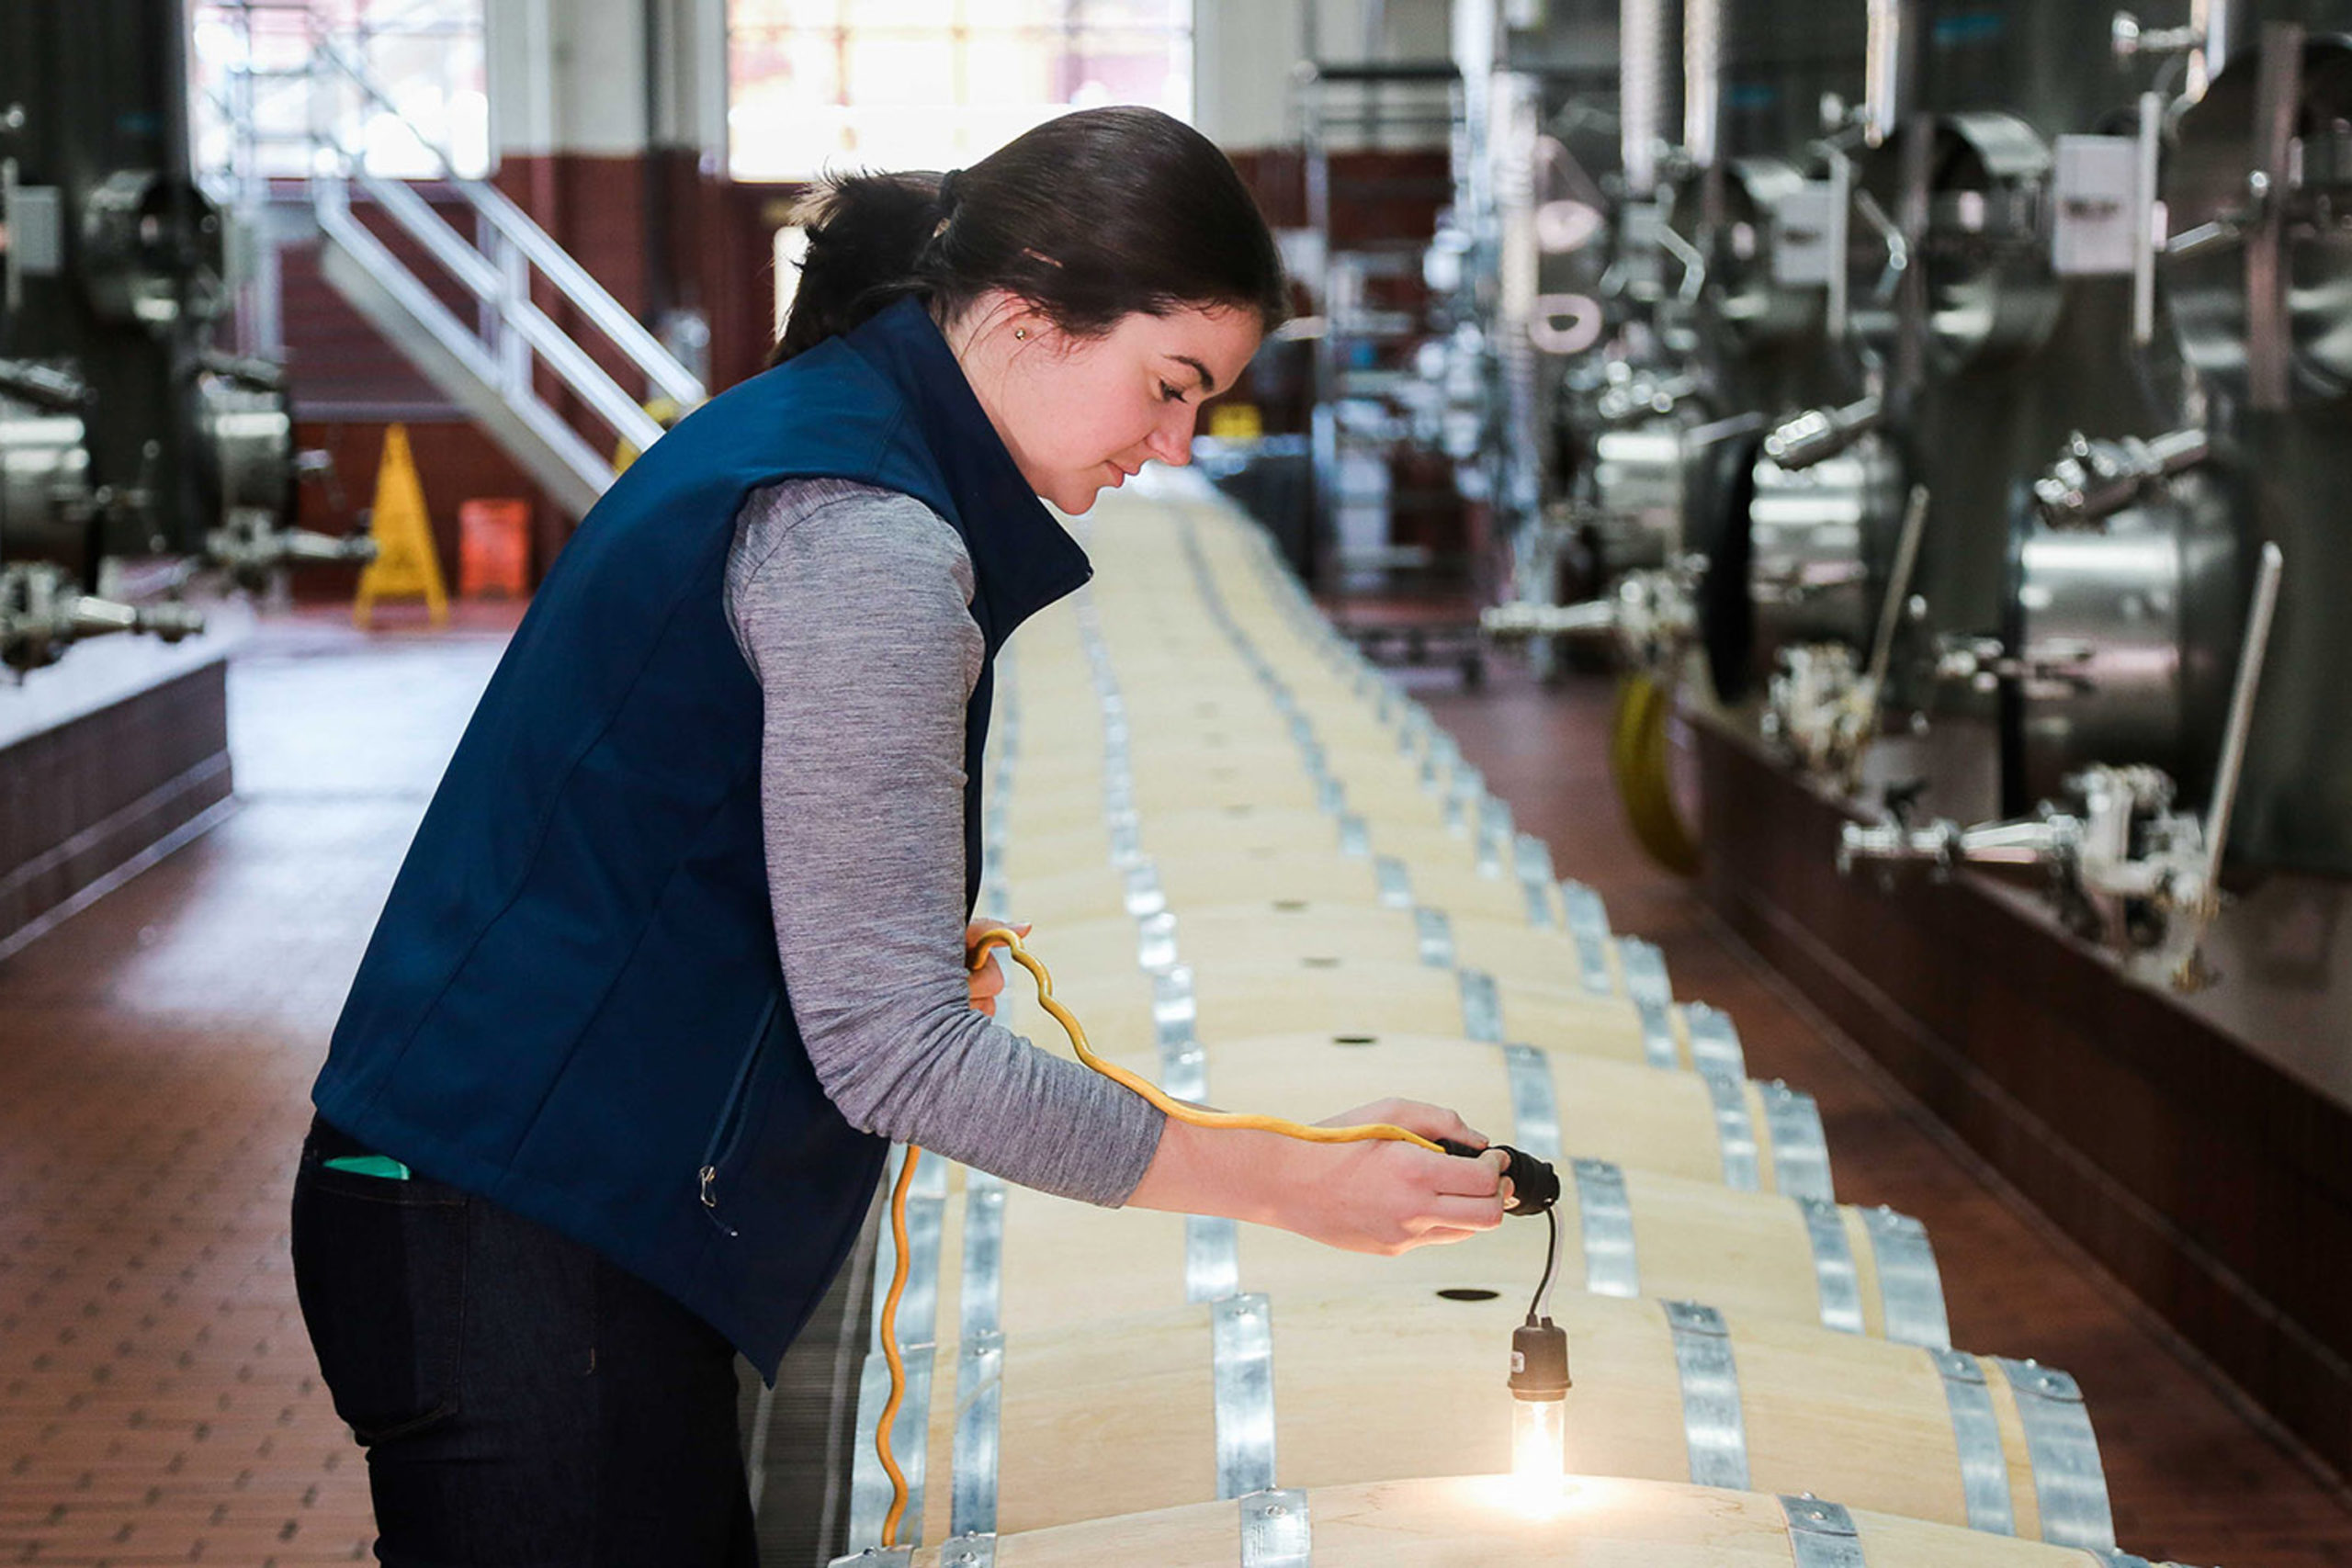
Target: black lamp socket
(1534, 1185)
(1539, 1362)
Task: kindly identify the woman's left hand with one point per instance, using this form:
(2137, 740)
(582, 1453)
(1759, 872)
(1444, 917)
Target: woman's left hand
(987, 980)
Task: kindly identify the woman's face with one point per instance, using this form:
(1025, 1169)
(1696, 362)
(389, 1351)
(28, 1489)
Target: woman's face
(1080, 414)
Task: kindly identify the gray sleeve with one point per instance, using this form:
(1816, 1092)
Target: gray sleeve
(852, 605)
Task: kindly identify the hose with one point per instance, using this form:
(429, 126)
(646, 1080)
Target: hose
(1638, 761)
(1000, 936)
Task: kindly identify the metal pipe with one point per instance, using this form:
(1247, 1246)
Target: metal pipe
(1702, 74)
(2227, 28)
(1839, 305)
(1818, 435)
(2241, 721)
(1641, 42)
(12, 261)
(1889, 66)
(2097, 478)
(44, 386)
(2145, 238)
(2177, 449)
(1898, 586)
(1911, 323)
(2277, 92)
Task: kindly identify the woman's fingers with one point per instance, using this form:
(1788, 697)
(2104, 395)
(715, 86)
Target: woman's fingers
(1439, 1235)
(1446, 1212)
(1432, 1121)
(1479, 1178)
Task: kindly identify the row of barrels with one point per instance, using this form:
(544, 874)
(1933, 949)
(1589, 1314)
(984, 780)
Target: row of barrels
(1267, 880)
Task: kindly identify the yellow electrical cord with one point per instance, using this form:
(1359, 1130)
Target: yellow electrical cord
(1375, 1132)
(1000, 936)
(890, 1347)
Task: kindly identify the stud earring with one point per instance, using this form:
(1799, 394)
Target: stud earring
(1019, 333)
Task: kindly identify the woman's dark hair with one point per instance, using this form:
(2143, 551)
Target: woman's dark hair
(1090, 217)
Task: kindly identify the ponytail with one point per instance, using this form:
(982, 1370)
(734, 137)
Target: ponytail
(866, 236)
(1091, 216)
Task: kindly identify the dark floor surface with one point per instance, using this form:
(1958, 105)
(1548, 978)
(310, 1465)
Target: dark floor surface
(157, 1399)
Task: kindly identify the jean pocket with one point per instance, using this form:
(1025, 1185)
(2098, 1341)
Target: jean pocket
(379, 1269)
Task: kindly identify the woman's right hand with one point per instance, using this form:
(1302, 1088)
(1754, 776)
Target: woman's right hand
(1377, 1196)
(1387, 1196)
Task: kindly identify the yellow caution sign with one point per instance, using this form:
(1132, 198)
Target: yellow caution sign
(665, 413)
(406, 565)
(1237, 421)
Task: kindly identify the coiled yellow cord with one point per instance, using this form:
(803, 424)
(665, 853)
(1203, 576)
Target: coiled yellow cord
(1000, 936)
(1638, 759)
(890, 1347)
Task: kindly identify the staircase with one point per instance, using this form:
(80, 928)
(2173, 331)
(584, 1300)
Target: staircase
(460, 309)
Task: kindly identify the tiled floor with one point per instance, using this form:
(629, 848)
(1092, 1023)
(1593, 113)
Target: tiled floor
(157, 1401)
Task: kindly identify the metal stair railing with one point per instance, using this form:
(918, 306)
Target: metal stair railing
(482, 381)
(514, 227)
(490, 367)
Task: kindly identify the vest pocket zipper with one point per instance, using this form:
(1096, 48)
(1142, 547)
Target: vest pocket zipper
(724, 1135)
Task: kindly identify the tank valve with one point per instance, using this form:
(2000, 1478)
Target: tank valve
(2123, 867)
(2129, 38)
(42, 614)
(1818, 435)
(1653, 616)
(2094, 479)
(252, 547)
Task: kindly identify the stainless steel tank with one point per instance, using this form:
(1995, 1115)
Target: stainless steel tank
(2295, 435)
(1796, 554)
(2123, 637)
(1821, 543)
(46, 502)
(245, 444)
(1758, 313)
(2211, 207)
(1989, 293)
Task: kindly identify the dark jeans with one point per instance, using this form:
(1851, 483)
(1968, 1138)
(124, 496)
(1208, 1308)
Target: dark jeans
(524, 1404)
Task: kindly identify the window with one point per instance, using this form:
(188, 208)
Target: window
(391, 81)
(923, 83)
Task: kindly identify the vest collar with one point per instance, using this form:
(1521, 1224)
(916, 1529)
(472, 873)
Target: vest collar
(1022, 558)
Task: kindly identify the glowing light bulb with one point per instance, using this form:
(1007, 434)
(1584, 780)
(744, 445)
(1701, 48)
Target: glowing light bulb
(1539, 1413)
(1539, 1436)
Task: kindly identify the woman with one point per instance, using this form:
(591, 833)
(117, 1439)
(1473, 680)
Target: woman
(679, 945)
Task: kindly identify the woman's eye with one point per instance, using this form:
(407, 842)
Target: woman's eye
(1169, 394)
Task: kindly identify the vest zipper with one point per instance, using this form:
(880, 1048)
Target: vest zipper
(723, 1135)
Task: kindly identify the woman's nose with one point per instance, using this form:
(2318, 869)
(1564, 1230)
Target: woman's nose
(1171, 440)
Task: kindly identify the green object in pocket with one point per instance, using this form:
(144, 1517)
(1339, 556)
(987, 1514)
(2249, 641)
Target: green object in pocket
(384, 1165)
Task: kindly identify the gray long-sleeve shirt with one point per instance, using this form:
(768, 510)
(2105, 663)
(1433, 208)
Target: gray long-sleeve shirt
(852, 605)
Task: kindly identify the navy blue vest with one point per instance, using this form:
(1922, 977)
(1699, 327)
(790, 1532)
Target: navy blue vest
(573, 1003)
